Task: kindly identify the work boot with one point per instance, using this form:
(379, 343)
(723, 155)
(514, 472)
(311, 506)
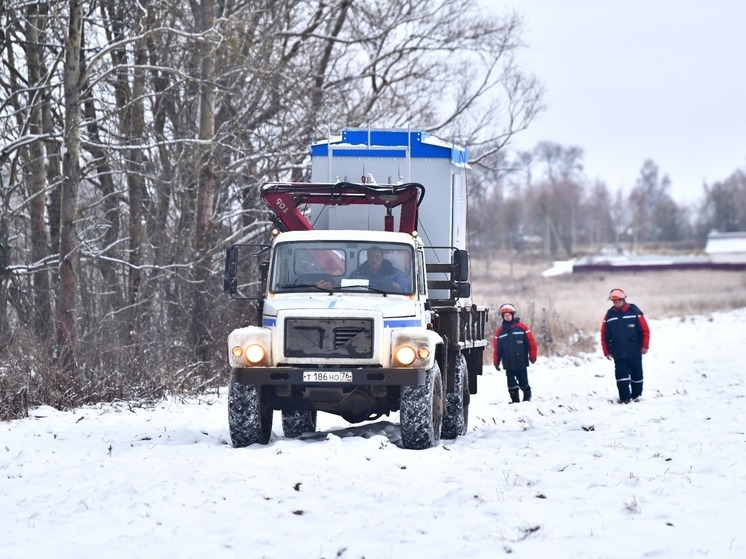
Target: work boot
(527, 394)
(514, 397)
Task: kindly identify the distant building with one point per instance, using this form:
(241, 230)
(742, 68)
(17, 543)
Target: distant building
(724, 251)
(726, 247)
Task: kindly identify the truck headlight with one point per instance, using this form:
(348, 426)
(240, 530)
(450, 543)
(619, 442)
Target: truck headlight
(249, 347)
(413, 347)
(405, 355)
(254, 354)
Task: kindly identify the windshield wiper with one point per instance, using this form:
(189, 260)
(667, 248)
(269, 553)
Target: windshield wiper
(291, 286)
(366, 287)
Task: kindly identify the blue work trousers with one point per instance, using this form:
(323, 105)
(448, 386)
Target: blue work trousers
(628, 372)
(517, 378)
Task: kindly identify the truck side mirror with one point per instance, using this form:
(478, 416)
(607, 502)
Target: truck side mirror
(464, 290)
(264, 271)
(461, 263)
(230, 286)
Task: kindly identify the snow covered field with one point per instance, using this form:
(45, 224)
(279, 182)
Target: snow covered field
(570, 474)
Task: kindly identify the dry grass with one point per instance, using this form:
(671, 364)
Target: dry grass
(565, 312)
(29, 377)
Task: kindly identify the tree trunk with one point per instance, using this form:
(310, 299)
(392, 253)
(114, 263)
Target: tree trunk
(41, 300)
(136, 187)
(205, 188)
(69, 296)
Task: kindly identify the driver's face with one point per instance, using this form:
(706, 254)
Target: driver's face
(375, 259)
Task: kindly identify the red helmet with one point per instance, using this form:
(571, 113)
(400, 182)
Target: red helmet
(617, 294)
(507, 307)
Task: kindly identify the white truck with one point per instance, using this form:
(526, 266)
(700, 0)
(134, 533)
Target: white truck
(357, 319)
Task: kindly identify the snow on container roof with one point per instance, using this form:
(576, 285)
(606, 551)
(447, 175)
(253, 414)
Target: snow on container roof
(390, 143)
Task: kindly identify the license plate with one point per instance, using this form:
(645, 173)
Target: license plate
(327, 376)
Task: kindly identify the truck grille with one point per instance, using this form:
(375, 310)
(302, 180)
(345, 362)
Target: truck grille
(340, 338)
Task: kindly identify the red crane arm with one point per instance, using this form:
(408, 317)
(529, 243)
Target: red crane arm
(285, 198)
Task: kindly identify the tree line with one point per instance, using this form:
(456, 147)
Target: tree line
(134, 134)
(541, 200)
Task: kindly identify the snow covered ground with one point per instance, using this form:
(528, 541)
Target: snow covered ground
(570, 474)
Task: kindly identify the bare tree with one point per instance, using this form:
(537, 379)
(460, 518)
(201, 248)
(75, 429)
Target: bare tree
(68, 300)
(203, 241)
(656, 216)
(558, 197)
(598, 222)
(724, 205)
(41, 305)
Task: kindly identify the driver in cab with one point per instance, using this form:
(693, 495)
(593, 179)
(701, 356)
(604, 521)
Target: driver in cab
(381, 273)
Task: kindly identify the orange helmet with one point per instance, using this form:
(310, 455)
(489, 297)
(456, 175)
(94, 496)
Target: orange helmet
(507, 307)
(617, 294)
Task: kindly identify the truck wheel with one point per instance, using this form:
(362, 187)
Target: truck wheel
(249, 414)
(421, 411)
(456, 419)
(297, 422)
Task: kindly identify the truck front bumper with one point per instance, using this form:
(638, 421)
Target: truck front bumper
(360, 376)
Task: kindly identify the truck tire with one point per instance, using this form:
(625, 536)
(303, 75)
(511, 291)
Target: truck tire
(421, 412)
(249, 414)
(456, 419)
(297, 422)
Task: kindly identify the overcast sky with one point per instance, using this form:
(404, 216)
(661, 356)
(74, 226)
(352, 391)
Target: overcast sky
(641, 79)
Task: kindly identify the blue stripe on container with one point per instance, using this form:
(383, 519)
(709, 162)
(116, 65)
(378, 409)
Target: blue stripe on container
(365, 144)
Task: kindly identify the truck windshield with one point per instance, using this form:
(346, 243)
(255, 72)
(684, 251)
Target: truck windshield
(342, 266)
